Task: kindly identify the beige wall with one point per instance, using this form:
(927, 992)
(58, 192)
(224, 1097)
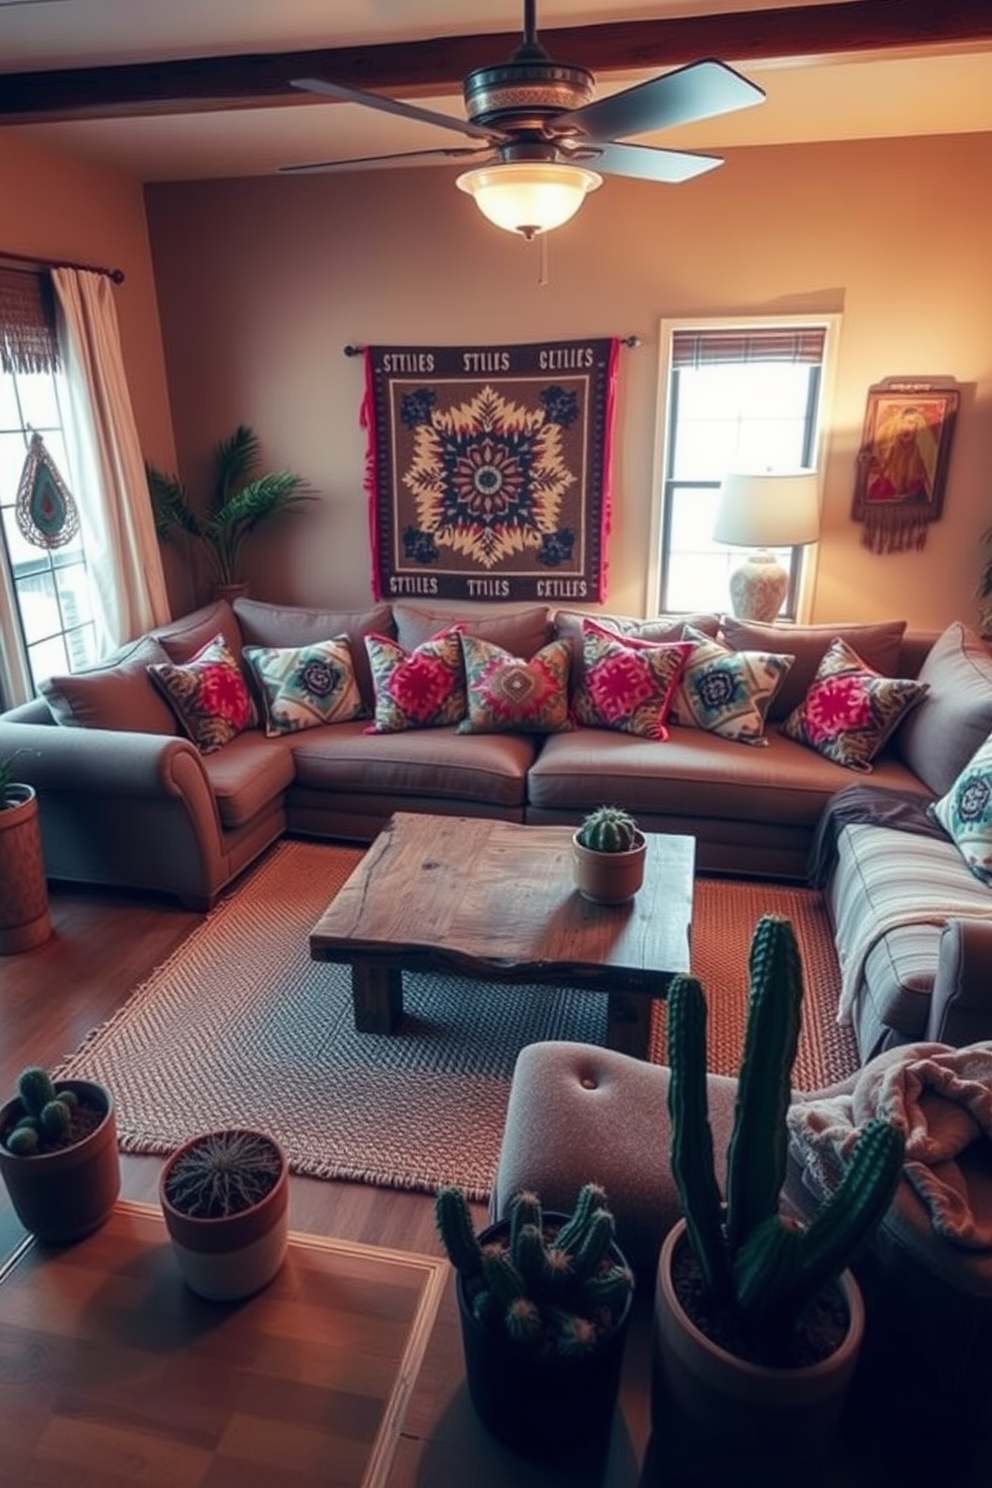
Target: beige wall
(262, 282)
(65, 209)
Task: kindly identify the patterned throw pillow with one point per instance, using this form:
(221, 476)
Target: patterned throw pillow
(507, 693)
(304, 686)
(208, 695)
(628, 683)
(850, 709)
(728, 692)
(965, 812)
(423, 688)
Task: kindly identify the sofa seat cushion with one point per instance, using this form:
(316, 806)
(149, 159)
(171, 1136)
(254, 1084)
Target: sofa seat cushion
(889, 897)
(247, 774)
(692, 774)
(436, 763)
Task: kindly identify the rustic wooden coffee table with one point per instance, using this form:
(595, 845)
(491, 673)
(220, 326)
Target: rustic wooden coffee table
(495, 901)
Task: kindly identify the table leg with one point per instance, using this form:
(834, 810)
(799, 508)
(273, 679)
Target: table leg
(377, 998)
(628, 1023)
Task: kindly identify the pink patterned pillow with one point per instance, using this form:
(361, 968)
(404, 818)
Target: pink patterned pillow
(506, 692)
(850, 709)
(629, 683)
(423, 688)
(208, 695)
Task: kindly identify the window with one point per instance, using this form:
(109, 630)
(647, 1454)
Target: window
(47, 623)
(746, 395)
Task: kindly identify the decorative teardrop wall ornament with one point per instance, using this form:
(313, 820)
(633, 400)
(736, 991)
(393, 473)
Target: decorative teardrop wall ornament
(46, 512)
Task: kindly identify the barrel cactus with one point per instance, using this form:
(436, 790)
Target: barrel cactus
(608, 829)
(551, 1286)
(757, 1266)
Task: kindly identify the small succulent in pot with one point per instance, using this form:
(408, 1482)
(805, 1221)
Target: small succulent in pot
(223, 1173)
(50, 1118)
(608, 829)
(554, 1285)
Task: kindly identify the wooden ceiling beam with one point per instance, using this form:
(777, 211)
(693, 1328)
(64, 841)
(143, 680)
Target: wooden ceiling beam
(420, 68)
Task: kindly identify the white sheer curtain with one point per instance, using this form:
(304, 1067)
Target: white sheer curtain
(112, 493)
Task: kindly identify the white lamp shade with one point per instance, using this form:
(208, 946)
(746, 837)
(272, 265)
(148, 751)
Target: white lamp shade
(530, 197)
(773, 509)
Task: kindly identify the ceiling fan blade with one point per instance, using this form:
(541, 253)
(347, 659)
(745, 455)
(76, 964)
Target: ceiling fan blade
(699, 91)
(377, 162)
(392, 106)
(644, 162)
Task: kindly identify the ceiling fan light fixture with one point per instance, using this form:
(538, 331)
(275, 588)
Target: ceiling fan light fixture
(529, 197)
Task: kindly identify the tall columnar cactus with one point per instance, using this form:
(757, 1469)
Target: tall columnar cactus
(550, 1288)
(608, 829)
(751, 1259)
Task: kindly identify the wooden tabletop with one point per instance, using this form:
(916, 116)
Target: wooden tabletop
(470, 896)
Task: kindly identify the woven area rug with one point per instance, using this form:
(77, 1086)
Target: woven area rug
(239, 1026)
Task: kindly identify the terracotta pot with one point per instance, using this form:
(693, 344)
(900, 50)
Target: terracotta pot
(735, 1403)
(235, 1255)
(25, 921)
(605, 877)
(63, 1195)
(539, 1405)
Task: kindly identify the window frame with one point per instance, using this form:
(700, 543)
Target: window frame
(803, 582)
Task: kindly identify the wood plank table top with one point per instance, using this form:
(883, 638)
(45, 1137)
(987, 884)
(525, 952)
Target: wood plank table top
(495, 900)
(113, 1373)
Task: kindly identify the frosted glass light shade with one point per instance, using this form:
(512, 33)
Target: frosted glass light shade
(530, 197)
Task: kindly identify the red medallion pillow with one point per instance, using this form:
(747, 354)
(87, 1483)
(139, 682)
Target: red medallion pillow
(628, 684)
(507, 692)
(208, 695)
(422, 688)
(850, 709)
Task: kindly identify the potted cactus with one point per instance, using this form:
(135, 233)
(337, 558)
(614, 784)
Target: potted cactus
(58, 1155)
(225, 1198)
(608, 853)
(25, 920)
(758, 1324)
(544, 1301)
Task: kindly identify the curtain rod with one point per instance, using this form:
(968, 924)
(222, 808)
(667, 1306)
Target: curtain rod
(352, 350)
(116, 276)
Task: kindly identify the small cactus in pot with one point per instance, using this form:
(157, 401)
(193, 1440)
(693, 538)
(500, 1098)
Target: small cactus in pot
(608, 852)
(544, 1300)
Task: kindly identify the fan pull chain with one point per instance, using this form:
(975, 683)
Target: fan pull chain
(542, 249)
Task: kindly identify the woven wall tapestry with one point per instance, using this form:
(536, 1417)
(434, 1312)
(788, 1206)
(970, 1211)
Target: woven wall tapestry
(488, 469)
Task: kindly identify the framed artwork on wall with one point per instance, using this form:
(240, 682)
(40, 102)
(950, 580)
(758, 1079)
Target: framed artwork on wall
(902, 461)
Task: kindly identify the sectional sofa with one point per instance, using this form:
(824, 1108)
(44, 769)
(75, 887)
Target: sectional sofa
(127, 800)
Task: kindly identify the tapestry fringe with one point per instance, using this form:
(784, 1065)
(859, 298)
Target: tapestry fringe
(895, 529)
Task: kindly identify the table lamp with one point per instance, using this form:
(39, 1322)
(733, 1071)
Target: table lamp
(765, 510)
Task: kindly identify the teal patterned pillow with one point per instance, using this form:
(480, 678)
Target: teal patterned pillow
(301, 687)
(727, 692)
(965, 813)
(508, 693)
(850, 709)
(422, 688)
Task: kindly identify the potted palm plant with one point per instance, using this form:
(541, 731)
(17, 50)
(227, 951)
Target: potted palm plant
(758, 1323)
(544, 1301)
(58, 1155)
(239, 500)
(25, 919)
(225, 1199)
(608, 852)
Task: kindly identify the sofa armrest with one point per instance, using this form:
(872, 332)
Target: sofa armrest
(95, 760)
(961, 1003)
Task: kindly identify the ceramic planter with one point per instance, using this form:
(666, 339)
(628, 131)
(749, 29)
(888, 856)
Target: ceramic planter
(737, 1402)
(61, 1196)
(541, 1405)
(25, 921)
(234, 1255)
(608, 877)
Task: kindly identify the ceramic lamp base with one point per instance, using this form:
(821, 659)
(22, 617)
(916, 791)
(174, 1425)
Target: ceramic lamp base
(758, 587)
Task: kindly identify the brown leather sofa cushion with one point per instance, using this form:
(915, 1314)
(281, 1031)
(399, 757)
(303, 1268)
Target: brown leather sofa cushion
(947, 726)
(290, 625)
(522, 632)
(877, 644)
(117, 695)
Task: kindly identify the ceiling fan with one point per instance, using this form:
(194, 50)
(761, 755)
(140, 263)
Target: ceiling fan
(541, 133)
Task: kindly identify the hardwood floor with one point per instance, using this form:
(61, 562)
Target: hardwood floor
(104, 944)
